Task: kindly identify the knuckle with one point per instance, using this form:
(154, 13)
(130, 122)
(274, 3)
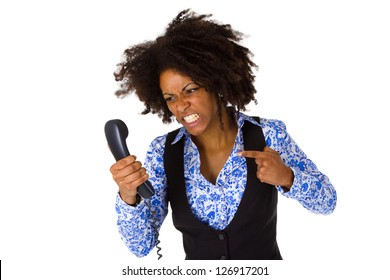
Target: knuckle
(127, 160)
(115, 167)
(142, 171)
(121, 163)
(121, 184)
(136, 166)
(116, 176)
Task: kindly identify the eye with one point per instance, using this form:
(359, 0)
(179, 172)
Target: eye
(192, 90)
(169, 97)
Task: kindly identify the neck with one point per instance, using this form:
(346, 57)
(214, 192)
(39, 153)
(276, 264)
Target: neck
(218, 138)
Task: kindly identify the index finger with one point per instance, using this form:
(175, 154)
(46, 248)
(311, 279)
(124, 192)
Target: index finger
(250, 154)
(123, 162)
(269, 150)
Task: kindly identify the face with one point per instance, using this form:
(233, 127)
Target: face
(193, 106)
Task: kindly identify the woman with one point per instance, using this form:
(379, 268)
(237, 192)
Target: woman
(222, 170)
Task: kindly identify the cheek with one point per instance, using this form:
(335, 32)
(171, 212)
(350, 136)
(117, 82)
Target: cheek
(171, 108)
(212, 103)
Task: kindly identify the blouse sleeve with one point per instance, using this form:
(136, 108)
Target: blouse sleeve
(136, 225)
(311, 188)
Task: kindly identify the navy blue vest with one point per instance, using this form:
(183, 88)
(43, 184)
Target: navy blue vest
(251, 235)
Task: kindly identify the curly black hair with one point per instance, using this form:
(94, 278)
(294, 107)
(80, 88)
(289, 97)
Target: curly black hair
(198, 47)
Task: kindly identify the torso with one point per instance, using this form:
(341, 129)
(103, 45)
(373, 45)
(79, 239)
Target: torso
(213, 155)
(212, 159)
(212, 162)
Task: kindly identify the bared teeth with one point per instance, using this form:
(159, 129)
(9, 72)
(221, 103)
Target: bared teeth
(191, 118)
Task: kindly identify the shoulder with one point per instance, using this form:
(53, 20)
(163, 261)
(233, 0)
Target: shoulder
(270, 127)
(275, 132)
(272, 124)
(265, 123)
(158, 143)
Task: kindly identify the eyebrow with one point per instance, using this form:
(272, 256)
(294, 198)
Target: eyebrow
(190, 83)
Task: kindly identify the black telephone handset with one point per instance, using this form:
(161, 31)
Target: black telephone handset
(116, 133)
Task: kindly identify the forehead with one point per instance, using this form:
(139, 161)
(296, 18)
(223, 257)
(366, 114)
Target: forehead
(172, 79)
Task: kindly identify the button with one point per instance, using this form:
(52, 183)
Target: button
(221, 236)
(223, 258)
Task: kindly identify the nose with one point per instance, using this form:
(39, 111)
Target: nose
(182, 104)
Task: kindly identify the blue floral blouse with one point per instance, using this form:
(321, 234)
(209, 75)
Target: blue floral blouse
(216, 204)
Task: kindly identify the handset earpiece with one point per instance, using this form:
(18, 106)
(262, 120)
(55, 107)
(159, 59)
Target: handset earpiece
(116, 133)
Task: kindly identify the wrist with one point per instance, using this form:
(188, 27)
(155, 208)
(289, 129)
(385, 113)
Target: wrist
(137, 201)
(289, 179)
(132, 200)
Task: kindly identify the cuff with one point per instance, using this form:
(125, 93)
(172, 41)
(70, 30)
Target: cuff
(293, 191)
(123, 207)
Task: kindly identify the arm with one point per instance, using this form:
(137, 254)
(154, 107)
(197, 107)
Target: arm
(283, 164)
(135, 222)
(311, 188)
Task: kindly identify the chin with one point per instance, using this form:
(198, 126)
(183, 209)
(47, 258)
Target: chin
(194, 131)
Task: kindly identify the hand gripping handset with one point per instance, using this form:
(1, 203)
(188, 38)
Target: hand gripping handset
(116, 133)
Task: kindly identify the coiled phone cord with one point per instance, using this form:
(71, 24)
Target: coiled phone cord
(155, 229)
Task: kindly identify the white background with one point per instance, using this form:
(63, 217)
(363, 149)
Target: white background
(323, 70)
